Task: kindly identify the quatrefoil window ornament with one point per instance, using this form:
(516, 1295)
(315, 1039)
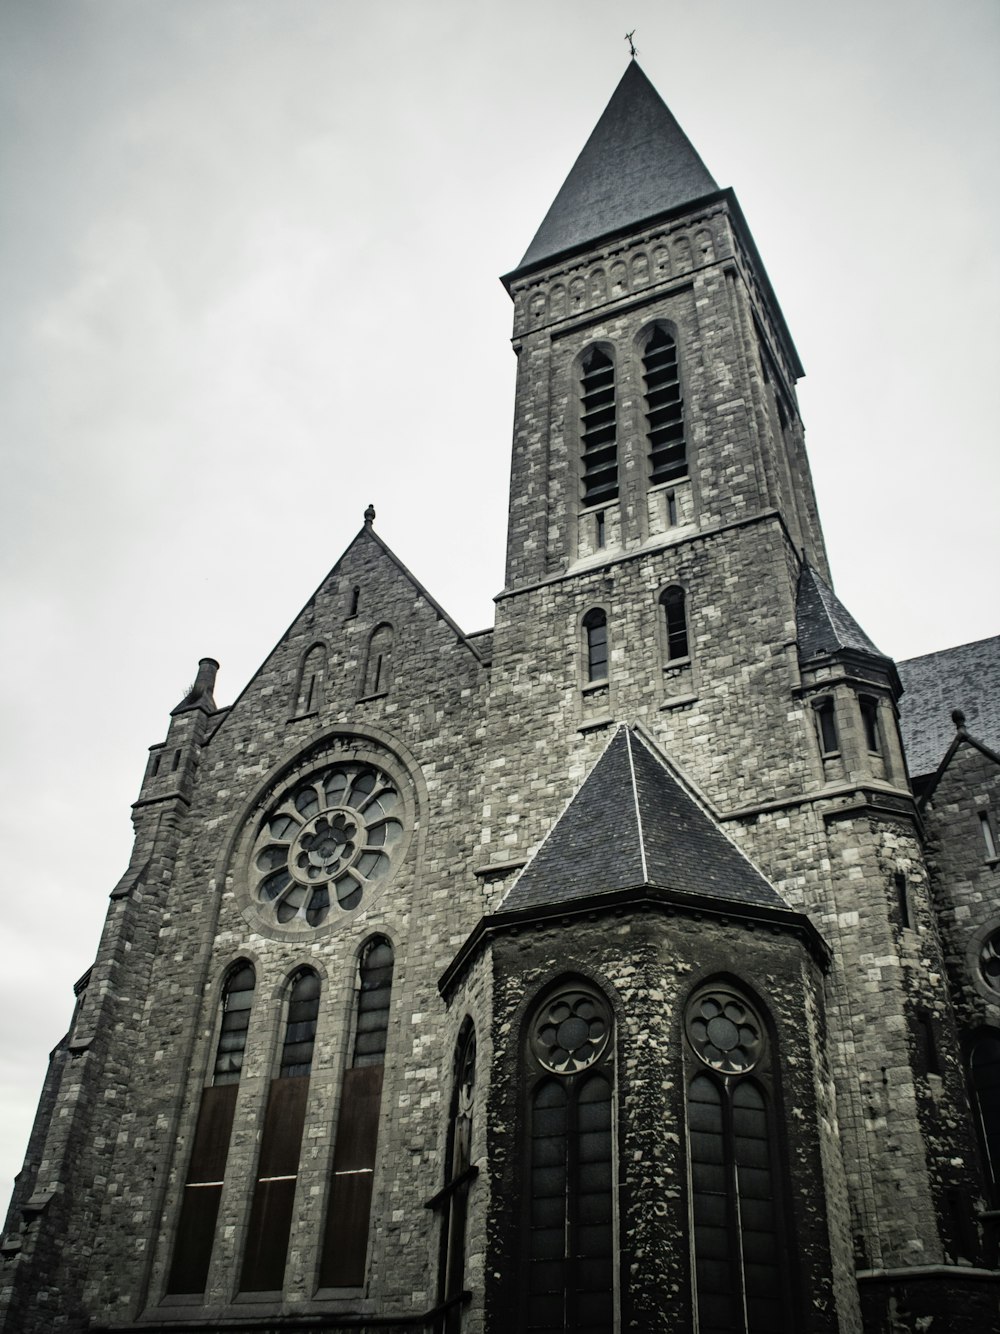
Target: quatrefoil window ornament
(724, 1031)
(324, 841)
(571, 1032)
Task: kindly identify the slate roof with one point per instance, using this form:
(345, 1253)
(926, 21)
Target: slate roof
(824, 623)
(966, 678)
(633, 823)
(637, 163)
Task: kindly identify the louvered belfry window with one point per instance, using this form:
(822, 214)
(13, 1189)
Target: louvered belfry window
(206, 1169)
(741, 1259)
(569, 1245)
(281, 1142)
(664, 409)
(599, 429)
(348, 1213)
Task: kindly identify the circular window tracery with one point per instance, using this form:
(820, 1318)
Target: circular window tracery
(989, 960)
(571, 1031)
(724, 1031)
(324, 841)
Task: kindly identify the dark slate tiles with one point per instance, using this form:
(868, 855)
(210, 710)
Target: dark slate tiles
(965, 678)
(637, 163)
(824, 623)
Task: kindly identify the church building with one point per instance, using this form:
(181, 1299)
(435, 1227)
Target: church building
(630, 965)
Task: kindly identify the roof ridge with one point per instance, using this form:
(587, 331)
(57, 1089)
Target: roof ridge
(635, 801)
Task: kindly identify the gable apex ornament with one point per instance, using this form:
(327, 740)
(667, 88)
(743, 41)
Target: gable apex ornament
(369, 515)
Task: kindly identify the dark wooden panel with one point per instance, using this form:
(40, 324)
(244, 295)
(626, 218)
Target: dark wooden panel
(357, 1129)
(195, 1234)
(345, 1243)
(283, 1123)
(267, 1236)
(211, 1136)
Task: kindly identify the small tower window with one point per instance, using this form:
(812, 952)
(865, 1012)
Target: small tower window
(869, 717)
(595, 629)
(675, 623)
(599, 429)
(664, 409)
(826, 725)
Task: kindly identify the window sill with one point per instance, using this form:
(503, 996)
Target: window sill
(596, 724)
(594, 687)
(379, 694)
(677, 701)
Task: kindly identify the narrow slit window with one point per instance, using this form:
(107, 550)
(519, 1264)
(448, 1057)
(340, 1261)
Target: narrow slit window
(826, 724)
(595, 629)
(664, 409)
(378, 661)
(869, 718)
(599, 429)
(672, 508)
(988, 840)
(672, 601)
(903, 899)
(460, 1173)
(599, 529)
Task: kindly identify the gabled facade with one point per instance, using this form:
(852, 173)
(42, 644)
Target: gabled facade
(602, 971)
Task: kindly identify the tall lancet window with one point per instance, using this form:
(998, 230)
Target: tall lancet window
(740, 1252)
(984, 1075)
(281, 1142)
(568, 1238)
(664, 409)
(203, 1185)
(348, 1213)
(453, 1199)
(599, 429)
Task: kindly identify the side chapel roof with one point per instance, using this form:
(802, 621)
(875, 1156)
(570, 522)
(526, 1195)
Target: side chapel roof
(966, 678)
(636, 164)
(633, 823)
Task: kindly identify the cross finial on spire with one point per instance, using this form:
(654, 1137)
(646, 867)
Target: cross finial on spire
(631, 44)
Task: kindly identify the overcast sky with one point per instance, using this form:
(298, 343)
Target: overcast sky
(248, 268)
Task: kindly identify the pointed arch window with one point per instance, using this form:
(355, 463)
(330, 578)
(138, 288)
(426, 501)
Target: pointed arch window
(595, 631)
(740, 1255)
(348, 1214)
(568, 1237)
(206, 1169)
(281, 1141)
(598, 430)
(378, 661)
(664, 408)
(675, 626)
(309, 691)
(984, 1077)
(453, 1198)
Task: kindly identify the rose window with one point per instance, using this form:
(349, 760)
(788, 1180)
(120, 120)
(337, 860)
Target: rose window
(571, 1032)
(725, 1032)
(325, 840)
(989, 961)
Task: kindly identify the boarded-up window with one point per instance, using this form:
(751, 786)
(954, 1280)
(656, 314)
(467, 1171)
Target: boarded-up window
(348, 1215)
(281, 1143)
(206, 1169)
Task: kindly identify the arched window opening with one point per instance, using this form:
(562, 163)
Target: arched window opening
(454, 1196)
(568, 1241)
(348, 1214)
(206, 1169)
(826, 726)
(675, 623)
(869, 720)
(308, 695)
(377, 661)
(595, 629)
(664, 409)
(984, 1077)
(739, 1248)
(599, 429)
(281, 1142)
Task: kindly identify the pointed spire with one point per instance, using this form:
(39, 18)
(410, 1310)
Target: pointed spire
(825, 626)
(637, 163)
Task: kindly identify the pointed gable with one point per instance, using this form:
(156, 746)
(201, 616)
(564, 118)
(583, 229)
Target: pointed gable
(637, 163)
(965, 678)
(633, 823)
